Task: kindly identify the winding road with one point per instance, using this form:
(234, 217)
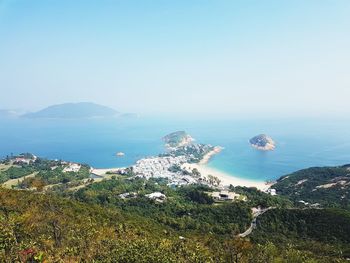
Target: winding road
(256, 213)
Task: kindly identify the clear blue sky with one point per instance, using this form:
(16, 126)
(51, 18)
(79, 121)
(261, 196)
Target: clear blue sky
(234, 57)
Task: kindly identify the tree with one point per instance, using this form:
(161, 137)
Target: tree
(236, 248)
(195, 172)
(213, 180)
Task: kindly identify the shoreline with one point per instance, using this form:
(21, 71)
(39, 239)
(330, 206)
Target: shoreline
(225, 178)
(202, 166)
(209, 155)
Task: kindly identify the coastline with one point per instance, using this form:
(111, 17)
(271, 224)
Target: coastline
(225, 178)
(207, 157)
(205, 170)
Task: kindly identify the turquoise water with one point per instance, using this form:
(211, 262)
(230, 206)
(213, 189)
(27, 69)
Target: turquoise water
(300, 144)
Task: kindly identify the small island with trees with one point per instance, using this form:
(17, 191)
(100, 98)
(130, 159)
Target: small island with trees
(263, 142)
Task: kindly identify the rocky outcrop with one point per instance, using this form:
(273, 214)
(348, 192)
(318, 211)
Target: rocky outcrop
(263, 142)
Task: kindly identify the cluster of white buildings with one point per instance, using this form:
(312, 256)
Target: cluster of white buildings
(158, 167)
(24, 160)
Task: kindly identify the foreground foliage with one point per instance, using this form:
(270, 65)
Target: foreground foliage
(116, 221)
(37, 227)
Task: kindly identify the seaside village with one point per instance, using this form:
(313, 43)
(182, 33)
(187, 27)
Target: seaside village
(174, 169)
(177, 169)
(161, 167)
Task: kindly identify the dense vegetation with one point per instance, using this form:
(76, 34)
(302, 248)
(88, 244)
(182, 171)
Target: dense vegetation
(257, 198)
(43, 172)
(324, 231)
(174, 139)
(326, 186)
(51, 177)
(39, 227)
(186, 209)
(15, 172)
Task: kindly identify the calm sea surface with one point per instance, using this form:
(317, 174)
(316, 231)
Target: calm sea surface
(300, 144)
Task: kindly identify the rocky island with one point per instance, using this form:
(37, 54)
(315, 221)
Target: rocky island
(263, 142)
(177, 139)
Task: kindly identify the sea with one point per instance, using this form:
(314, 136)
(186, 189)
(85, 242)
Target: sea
(300, 143)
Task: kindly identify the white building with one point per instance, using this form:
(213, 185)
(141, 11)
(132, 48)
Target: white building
(157, 196)
(224, 196)
(271, 191)
(72, 167)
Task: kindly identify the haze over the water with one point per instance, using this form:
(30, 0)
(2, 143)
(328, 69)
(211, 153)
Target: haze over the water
(271, 58)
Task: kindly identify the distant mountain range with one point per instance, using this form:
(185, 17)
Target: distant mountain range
(8, 114)
(81, 110)
(73, 111)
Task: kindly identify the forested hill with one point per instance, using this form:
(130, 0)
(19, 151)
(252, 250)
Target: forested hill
(320, 230)
(317, 186)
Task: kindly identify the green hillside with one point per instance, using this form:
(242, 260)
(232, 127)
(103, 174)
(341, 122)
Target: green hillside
(53, 216)
(317, 186)
(38, 227)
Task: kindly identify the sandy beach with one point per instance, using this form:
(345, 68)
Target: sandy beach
(226, 178)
